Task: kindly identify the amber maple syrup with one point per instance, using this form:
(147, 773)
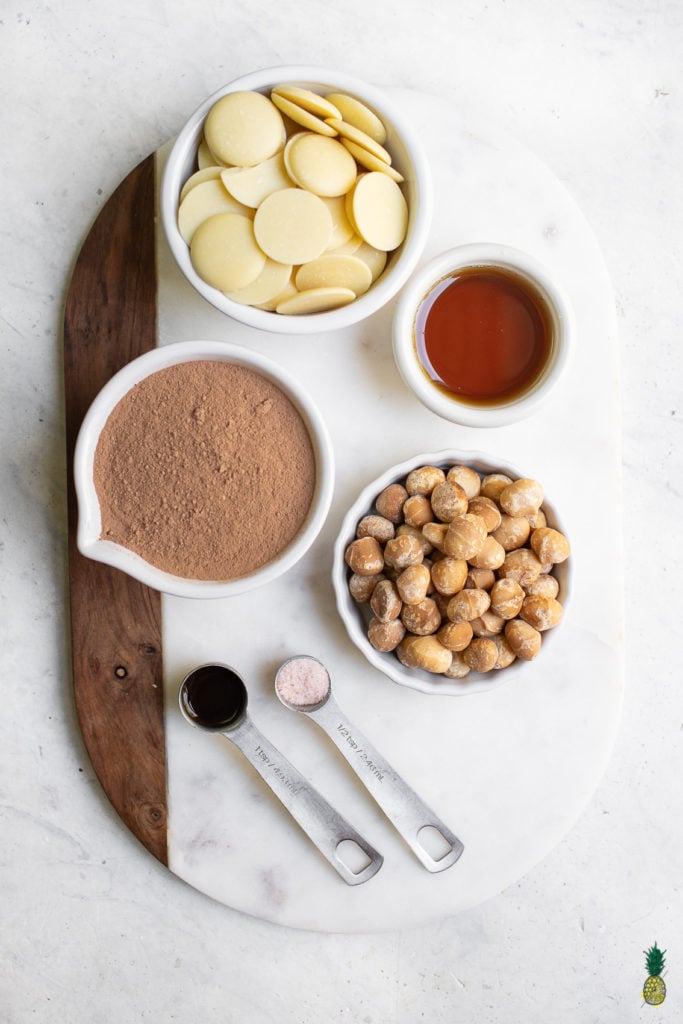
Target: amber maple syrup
(484, 335)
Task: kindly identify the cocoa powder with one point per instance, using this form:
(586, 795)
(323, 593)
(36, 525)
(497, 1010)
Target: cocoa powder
(206, 469)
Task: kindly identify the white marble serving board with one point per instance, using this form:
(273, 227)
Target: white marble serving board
(509, 770)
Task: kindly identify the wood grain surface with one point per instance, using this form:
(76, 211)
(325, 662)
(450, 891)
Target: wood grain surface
(110, 318)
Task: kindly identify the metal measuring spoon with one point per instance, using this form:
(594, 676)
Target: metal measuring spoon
(303, 684)
(214, 697)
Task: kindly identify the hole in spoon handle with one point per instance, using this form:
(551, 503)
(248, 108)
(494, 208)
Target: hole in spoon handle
(323, 824)
(440, 848)
(432, 842)
(358, 861)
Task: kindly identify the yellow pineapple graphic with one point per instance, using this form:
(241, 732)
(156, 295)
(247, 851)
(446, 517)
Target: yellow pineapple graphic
(654, 989)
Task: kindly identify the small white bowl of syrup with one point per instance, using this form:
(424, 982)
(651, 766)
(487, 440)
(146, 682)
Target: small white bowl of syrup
(482, 334)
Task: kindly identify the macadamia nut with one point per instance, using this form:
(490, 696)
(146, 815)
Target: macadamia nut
(455, 635)
(364, 556)
(537, 519)
(448, 500)
(424, 479)
(386, 636)
(403, 551)
(491, 555)
(512, 532)
(468, 605)
(522, 497)
(481, 655)
(507, 597)
(487, 509)
(493, 484)
(480, 579)
(520, 565)
(405, 530)
(523, 639)
(422, 618)
(390, 502)
(385, 601)
(467, 478)
(550, 545)
(424, 652)
(505, 653)
(449, 575)
(413, 583)
(541, 612)
(465, 536)
(435, 533)
(544, 586)
(417, 510)
(488, 624)
(376, 526)
(458, 667)
(361, 587)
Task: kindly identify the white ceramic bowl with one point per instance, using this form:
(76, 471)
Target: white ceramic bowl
(408, 157)
(449, 406)
(356, 617)
(89, 516)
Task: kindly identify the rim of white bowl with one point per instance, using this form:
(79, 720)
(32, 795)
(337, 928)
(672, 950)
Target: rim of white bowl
(89, 527)
(418, 179)
(351, 612)
(482, 254)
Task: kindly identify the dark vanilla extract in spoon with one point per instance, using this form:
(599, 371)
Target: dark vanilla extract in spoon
(214, 697)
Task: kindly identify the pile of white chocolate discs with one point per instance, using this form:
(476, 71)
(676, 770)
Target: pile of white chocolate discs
(296, 203)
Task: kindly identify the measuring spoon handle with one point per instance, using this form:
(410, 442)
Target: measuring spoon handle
(324, 825)
(405, 809)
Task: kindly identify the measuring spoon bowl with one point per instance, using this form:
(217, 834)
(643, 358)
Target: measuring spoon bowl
(213, 697)
(303, 684)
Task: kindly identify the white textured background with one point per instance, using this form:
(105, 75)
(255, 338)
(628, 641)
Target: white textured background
(91, 927)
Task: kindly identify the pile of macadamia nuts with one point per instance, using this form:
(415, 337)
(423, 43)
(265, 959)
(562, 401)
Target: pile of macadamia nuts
(457, 570)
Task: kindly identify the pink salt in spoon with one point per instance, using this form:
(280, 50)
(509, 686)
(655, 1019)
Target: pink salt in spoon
(303, 684)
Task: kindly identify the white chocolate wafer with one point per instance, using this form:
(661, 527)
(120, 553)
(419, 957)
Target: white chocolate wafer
(342, 230)
(269, 284)
(348, 131)
(205, 174)
(293, 226)
(251, 185)
(317, 300)
(204, 201)
(244, 128)
(356, 113)
(369, 161)
(205, 158)
(301, 116)
(321, 165)
(272, 304)
(307, 99)
(376, 259)
(348, 207)
(224, 252)
(348, 248)
(334, 271)
(379, 210)
(288, 149)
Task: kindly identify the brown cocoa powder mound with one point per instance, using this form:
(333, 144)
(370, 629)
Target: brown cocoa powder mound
(205, 469)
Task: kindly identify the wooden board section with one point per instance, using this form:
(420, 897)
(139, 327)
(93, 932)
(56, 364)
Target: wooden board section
(110, 318)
